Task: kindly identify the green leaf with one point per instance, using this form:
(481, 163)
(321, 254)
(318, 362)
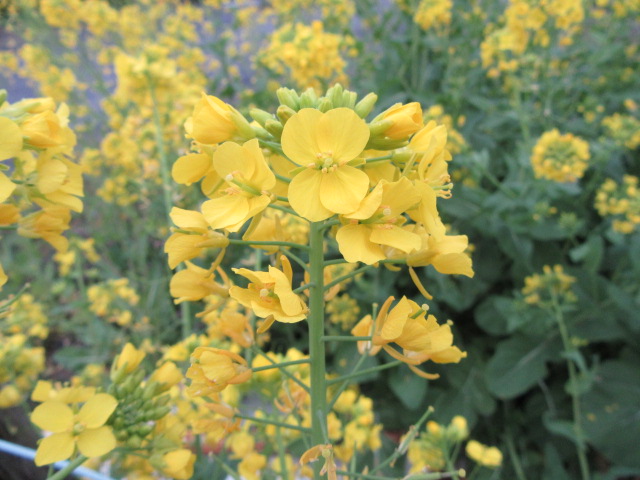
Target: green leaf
(553, 464)
(564, 428)
(517, 365)
(408, 387)
(612, 416)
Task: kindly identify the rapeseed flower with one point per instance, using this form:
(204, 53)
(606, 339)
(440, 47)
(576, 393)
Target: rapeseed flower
(486, 456)
(562, 158)
(84, 430)
(213, 369)
(327, 144)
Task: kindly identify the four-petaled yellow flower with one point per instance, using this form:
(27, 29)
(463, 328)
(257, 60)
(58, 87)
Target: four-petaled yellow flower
(327, 144)
(378, 223)
(213, 369)
(85, 429)
(270, 294)
(248, 179)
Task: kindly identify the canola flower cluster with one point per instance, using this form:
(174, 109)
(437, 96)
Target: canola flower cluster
(40, 185)
(432, 448)
(552, 286)
(308, 54)
(23, 327)
(621, 201)
(561, 158)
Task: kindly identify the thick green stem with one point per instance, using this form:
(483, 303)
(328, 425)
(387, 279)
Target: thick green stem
(316, 344)
(575, 398)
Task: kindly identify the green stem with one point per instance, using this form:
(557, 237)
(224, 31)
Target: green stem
(316, 345)
(282, 370)
(282, 178)
(345, 383)
(575, 399)
(296, 259)
(347, 276)
(266, 421)
(282, 209)
(404, 445)
(71, 466)
(230, 471)
(280, 365)
(368, 371)
(234, 241)
(185, 308)
(513, 454)
(284, 472)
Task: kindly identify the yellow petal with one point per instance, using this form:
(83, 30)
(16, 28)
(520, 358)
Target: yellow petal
(395, 321)
(342, 190)
(95, 442)
(299, 137)
(188, 219)
(342, 132)
(53, 417)
(51, 175)
(97, 410)
(304, 195)
(369, 204)
(354, 245)
(395, 237)
(54, 448)
(3, 277)
(225, 211)
(231, 157)
(289, 301)
(190, 168)
(10, 138)
(454, 263)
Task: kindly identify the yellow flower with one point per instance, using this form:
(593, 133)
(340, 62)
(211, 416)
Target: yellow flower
(129, 359)
(407, 120)
(10, 138)
(486, 456)
(45, 129)
(48, 224)
(193, 284)
(326, 144)
(420, 337)
(191, 168)
(270, 293)
(562, 158)
(248, 177)
(192, 237)
(378, 223)
(214, 121)
(85, 429)
(179, 463)
(213, 369)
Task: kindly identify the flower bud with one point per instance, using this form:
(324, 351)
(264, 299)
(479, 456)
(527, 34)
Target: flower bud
(260, 116)
(309, 99)
(284, 113)
(288, 98)
(406, 119)
(324, 105)
(363, 107)
(274, 127)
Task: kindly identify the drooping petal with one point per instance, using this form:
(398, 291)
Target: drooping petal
(395, 321)
(342, 132)
(231, 157)
(454, 263)
(51, 174)
(354, 245)
(395, 237)
(299, 136)
(342, 190)
(54, 448)
(188, 219)
(190, 168)
(289, 301)
(304, 195)
(97, 410)
(10, 138)
(53, 417)
(369, 204)
(95, 442)
(225, 211)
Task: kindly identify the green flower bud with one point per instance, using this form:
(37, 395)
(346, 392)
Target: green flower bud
(260, 116)
(275, 128)
(284, 113)
(309, 99)
(288, 98)
(324, 105)
(364, 107)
